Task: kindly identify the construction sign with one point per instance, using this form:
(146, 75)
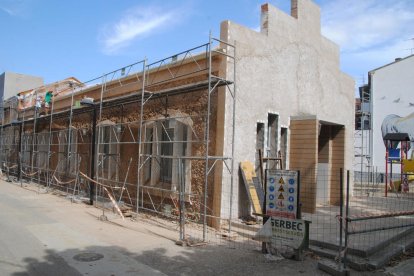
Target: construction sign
(282, 193)
(283, 232)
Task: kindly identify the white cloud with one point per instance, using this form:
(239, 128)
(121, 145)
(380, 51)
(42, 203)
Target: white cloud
(135, 23)
(385, 54)
(370, 33)
(359, 63)
(256, 29)
(16, 8)
(362, 25)
(8, 11)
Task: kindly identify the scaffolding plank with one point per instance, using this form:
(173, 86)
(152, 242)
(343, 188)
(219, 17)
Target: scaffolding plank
(259, 189)
(248, 173)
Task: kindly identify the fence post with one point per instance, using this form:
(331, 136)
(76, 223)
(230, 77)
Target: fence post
(386, 172)
(181, 195)
(341, 214)
(265, 217)
(346, 217)
(299, 203)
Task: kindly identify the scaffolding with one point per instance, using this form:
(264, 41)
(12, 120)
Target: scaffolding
(2, 141)
(367, 175)
(183, 140)
(44, 143)
(9, 143)
(69, 143)
(117, 134)
(153, 150)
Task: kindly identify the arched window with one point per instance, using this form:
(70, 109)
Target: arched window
(68, 151)
(108, 150)
(167, 143)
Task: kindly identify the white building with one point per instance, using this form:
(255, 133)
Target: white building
(291, 94)
(392, 105)
(12, 83)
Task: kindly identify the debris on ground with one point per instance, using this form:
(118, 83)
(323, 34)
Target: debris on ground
(407, 254)
(249, 220)
(312, 255)
(190, 242)
(127, 211)
(230, 236)
(273, 258)
(128, 214)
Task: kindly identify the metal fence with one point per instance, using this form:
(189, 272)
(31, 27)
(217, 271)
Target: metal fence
(351, 222)
(378, 220)
(162, 163)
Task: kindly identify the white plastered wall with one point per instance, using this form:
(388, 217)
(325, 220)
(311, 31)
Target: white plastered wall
(288, 68)
(392, 93)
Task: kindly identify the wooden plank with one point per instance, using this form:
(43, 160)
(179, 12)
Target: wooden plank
(304, 163)
(303, 132)
(308, 127)
(303, 122)
(304, 150)
(304, 153)
(337, 161)
(248, 173)
(304, 156)
(259, 189)
(303, 139)
(303, 143)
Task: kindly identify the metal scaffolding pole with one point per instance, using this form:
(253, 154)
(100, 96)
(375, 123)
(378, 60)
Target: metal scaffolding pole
(2, 133)
(49, 143)
(206, 141)
(21, 148)
(36, 111)
(97, 145)
(140, 144)
(108, 157)
(163, 139)
(232, 136)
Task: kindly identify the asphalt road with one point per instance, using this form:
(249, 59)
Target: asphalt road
(21, 252)
(39, 237)
(45, 234)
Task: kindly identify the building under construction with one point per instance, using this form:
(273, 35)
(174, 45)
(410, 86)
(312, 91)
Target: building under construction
(169, 133)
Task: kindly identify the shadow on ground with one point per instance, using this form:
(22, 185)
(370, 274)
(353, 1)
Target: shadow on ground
(50, 264)
(207, 260)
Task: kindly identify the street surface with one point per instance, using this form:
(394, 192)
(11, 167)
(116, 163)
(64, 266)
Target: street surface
(41, 234)
(45, 234)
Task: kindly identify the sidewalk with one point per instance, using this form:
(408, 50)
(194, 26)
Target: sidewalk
(44, 234)
(59, 230)
(405, 267)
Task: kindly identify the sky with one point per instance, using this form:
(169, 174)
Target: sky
(85, 39)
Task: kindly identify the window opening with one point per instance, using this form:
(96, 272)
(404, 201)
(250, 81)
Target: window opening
(167, 148)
